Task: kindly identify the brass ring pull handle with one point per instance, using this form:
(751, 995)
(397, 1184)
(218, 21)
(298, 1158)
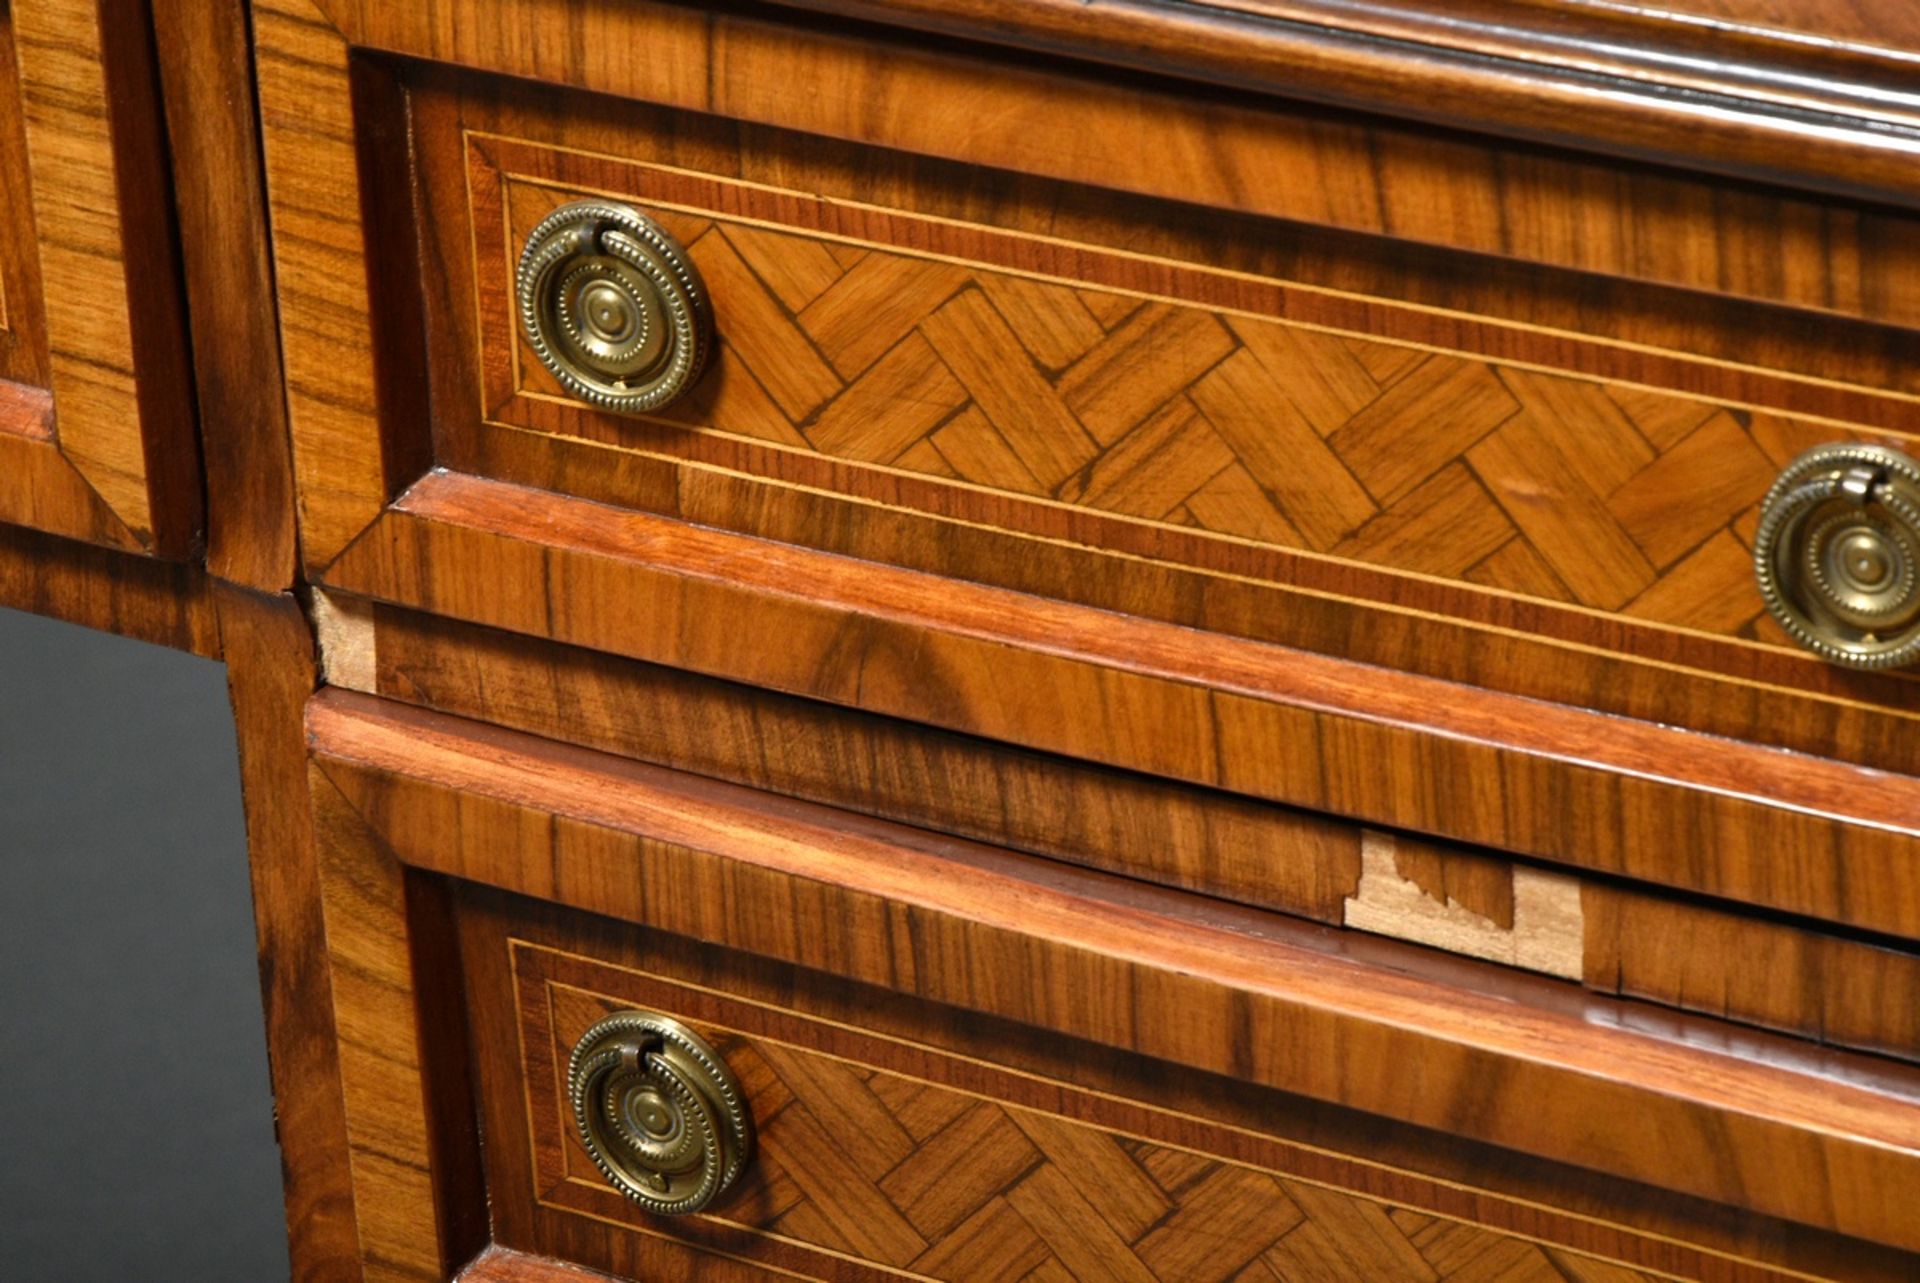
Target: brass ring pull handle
(1837, 554)
(659, 1112)
(613, 306)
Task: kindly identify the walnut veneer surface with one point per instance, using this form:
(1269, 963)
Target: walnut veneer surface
(1184, 700)
(96, 414)
(888, 910)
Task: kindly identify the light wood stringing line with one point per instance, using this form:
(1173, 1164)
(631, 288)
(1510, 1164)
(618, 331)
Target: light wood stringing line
(1304, 287)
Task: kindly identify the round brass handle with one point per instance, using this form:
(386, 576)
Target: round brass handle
(659, 1111)
(613, 306)
(1837, 554)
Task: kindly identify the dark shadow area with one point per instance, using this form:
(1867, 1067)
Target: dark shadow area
(136, 1120)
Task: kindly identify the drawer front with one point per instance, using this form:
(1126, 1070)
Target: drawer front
(1053, 389)
(97, 438)
(1312, 656)
(919, 1163)
(1539, 473)
(1269, 1066)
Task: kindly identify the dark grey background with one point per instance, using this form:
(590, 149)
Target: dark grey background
(136, 1121)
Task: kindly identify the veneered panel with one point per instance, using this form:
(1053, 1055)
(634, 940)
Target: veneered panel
(903, 1169)
(87, 267)
(23, 356)
(1432, 466)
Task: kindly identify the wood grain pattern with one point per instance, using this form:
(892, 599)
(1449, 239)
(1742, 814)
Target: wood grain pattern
(1859, 22)
(1129, 456)
(1228, 422)
(166, 603)
(270, 674)
(1649, 326)
(1715, 685)
(1740, 98)
(23, 357)
(118, 365)
(1143, 827)
(1683, 953)
(320, 273)
(1775, 697)
(1219, 156)
(39, 486)
(1310, 1144)
(768, 483)
(1414, 182)
(1829, 1148)
(401, 1165)
(1848, 992)
(1653, 803)
(853, 1159)
(207, 70)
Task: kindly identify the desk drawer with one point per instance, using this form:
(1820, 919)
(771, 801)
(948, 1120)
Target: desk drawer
(1154, 389)
(1378, 513)
(1529, 464)
(872, 987)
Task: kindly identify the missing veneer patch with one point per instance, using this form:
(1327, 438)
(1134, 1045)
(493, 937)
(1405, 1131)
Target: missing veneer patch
(344, 629)
(1546, 933)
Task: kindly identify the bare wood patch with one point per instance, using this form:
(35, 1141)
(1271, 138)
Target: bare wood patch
(344, 627)
(1544, 931)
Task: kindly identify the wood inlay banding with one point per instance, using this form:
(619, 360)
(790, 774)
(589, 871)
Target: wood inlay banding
(908, 356)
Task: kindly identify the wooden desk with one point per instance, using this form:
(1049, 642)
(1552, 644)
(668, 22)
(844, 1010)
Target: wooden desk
(1133, 628)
